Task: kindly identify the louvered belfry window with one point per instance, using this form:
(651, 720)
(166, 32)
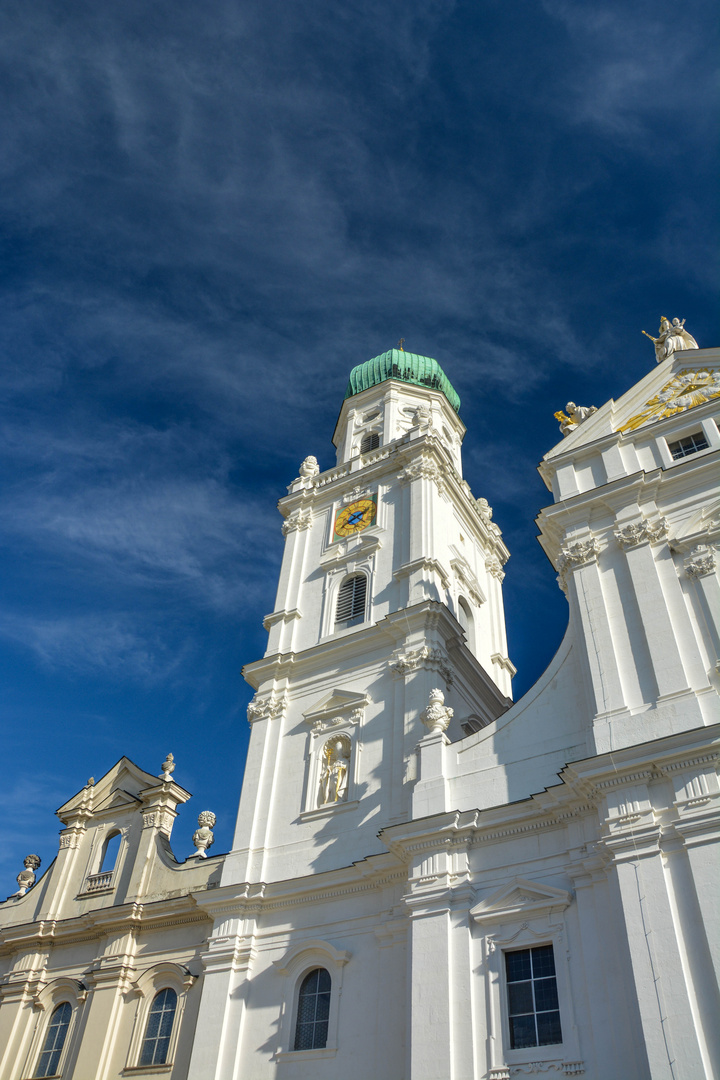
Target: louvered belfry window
(369, 442)
(351, 601)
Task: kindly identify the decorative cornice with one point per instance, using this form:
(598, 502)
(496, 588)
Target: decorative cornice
(281, 616)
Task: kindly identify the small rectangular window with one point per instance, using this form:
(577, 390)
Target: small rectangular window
(689, 445)
(533, 1012)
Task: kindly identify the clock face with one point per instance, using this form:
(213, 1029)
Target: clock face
(355, 517)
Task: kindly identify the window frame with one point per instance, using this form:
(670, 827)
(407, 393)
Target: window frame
(43, 1049)
(523, 915)
(55, 993)
(300, 984)
(506, 986)
(352, 621)
(162, 976)
(692, 426)
(294, 967)
(370, 435)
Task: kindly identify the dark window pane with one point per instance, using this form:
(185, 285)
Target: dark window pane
(153, 1025)
(517, 965)
(304, 1036)
(321, 1033)
(313, 1010)
(543, 961)
(546, 995)
(306, 1008)
(323, 1007)
(549, 1030)
(522, 1031)
(520, 998)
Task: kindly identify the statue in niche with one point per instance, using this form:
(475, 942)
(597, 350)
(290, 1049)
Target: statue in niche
(334, 774)
(672, 337)
(26, 878)
(576, 414)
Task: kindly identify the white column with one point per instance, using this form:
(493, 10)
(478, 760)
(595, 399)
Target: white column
(668, 1025)
(218, 1032)
(430, 1033)
(588, 605)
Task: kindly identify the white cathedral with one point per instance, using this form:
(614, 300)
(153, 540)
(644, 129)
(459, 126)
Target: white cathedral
(427, 881)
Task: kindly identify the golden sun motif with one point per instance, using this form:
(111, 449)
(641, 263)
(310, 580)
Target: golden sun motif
(684, 391)
(355, 517)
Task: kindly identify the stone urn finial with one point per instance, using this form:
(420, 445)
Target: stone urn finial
(203, 837)
(309, 467)
(26, 878)
(437, 716)
(168, 768)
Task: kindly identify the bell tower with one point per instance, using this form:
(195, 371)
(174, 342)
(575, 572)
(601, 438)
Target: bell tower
(390, 587)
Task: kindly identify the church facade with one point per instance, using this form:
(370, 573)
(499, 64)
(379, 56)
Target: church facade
(427, 881)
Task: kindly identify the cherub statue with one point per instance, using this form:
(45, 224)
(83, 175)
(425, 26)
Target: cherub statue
(26, 878)
(204, 837)
(672, 337)
(334, 775)
(576, 414)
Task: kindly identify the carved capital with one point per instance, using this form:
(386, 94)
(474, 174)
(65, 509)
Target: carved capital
(641, 532)
(299, 519)
(700, 562)
(266, 708)
(424, 469)
(494, 567)
(405, 663)
(158, 819)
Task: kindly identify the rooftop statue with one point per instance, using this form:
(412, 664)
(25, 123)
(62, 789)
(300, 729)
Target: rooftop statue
(672, 337)
(26, 877)
(576, 414)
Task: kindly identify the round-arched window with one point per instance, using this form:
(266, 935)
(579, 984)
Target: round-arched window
(351, 601)
(55, 1037)
(313, 1011)
(465, 618)
(156, 1043)
(369, 442)
(110, 852)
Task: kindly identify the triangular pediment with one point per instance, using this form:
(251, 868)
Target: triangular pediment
(337, 701)
(116, 800)
(681, 383)
(123, 783)
(520, 898)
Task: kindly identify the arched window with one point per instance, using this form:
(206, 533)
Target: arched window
(110, 853)
(465, 618)
(369, 442)
(351, 601)
(159, 1028)
(55, 1037)
(313, 1011)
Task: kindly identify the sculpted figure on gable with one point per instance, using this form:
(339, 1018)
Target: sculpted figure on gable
(672, 337)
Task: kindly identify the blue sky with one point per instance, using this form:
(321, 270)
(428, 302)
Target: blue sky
(209, 214)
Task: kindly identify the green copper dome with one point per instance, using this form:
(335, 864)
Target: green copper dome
(407, 367)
